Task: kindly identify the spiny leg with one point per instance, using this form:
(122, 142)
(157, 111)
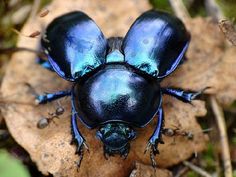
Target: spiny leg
(77, 136)
(185, 96)
(48, 97)
(156, 137)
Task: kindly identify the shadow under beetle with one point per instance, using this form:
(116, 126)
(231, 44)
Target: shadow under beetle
(116, 81)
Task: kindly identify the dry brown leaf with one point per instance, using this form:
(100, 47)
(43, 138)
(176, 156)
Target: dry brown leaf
(142, 170)
(50, 147)
(210, 63)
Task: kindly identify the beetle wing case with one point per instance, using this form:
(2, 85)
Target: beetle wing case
(156, 43)
(75, 45)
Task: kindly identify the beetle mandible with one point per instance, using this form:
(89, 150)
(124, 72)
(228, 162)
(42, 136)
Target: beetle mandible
(116, 81)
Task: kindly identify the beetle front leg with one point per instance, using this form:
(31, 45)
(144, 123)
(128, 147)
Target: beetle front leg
(48, 97)
(156, 138)
(185, 96)
(77, 137)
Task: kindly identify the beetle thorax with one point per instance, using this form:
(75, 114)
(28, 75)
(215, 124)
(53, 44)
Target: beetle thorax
(117, 94)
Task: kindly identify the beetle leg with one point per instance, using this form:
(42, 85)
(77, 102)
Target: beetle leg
(156, 138)
(42, 99)
(185, 96)
(78, 139)
(45, 64)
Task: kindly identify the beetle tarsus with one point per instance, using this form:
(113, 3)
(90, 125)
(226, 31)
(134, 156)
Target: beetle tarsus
(152, 147)
(156, 138)
(185, 96)
(196, 94)
(152, 157)
(81, 156)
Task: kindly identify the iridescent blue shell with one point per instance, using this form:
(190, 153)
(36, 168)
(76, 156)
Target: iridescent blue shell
(75, 45)
(156, 43)
(117, 94)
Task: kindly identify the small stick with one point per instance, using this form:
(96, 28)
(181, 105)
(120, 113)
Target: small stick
(180, 9)
(220, 120)
(22, 49)
(35, 8)
(32, 35)
(182, 171)
(213, 9)
(227, 27)
(44, 13)
(196, 169)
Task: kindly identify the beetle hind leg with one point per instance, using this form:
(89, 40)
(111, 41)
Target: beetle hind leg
(156, 138)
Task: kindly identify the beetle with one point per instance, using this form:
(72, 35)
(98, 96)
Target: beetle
(116, 81)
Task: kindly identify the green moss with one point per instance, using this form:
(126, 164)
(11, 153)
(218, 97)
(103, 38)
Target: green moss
(161, 5)
(209, 163)
(11, 167)
(234, 173)
(228, 7)
(192, 174)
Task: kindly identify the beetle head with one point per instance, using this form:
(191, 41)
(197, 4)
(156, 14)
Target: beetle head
(116, 137)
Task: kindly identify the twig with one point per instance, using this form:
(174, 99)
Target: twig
(220, 120)
(179, 9)
(213, 10)
(182, 171)
(35, 8)
(227, 27)
(196, 169)
(22, 49)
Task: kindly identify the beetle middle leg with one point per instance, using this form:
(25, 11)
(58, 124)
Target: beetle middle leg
(156, 137)
(185, 96)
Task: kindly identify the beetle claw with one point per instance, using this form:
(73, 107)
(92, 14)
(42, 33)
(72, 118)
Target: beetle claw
(153, 148)
(153, 151)
(152, 157)
(79, 150)
(194, 96)
(72, 141)
(124, 156)
(105, 155)
(78, 162)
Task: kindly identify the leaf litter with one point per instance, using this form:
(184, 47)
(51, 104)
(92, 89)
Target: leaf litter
(209, 63)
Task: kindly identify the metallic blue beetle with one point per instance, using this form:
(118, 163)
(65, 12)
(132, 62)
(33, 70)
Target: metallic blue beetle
(116, 81)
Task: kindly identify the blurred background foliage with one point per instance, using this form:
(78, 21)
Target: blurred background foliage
(14, 161)
(11, 167)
